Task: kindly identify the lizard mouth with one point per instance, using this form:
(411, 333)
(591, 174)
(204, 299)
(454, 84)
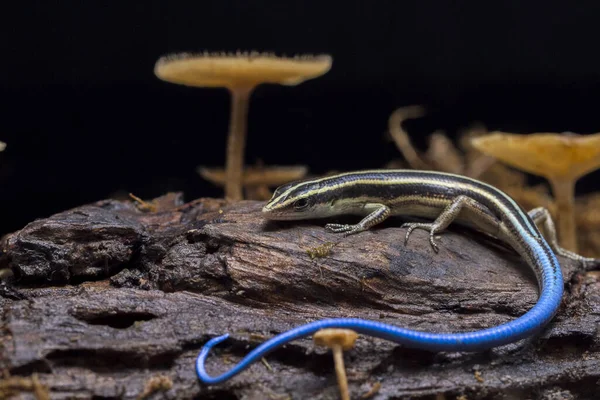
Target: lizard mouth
(277, 215)
(269, 213)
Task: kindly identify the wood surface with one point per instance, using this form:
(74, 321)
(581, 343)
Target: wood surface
(108, 299)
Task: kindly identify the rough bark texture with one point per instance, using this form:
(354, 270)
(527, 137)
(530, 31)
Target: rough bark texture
(106, 298)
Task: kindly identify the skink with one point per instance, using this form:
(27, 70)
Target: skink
(444, 198)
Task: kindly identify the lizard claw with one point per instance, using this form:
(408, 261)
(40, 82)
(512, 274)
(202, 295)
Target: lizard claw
(344, 228)
(431, 228)
(338, 228)
(433, 243)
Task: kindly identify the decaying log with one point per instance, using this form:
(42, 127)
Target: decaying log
(110, 301)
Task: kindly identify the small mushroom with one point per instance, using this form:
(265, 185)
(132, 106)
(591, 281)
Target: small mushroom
(560, 158)
(401, 138)
(257, 180)
(442, 154)
(476, 163)
(338, 340)
(240, 73)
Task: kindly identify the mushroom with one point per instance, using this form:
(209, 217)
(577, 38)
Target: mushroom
(560, 158)
(337, 340)
(240, 73)
(257, 180)
(442, 154)
(400, 136)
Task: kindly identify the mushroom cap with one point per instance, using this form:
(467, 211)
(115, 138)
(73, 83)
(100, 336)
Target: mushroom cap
(254, 176)
(335, 337)
(556, 155)
(240, 69)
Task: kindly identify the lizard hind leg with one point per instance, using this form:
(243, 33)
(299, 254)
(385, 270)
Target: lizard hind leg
(542, 218)
(448, 215)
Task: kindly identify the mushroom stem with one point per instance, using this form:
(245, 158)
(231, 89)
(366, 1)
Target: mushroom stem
(401, 138)
(337, 340)
(236, 142)
(564, 195)
(340, 371)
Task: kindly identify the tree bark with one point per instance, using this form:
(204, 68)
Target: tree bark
(106, 300)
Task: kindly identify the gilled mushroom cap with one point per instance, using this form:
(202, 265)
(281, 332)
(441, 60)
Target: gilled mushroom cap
(240, 69)
(335, 337)
(253, 176)
(544, 154)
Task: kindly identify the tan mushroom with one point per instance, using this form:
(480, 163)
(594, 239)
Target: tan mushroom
(257, 180)
(240, 73)
(401, 138)
(560, 158)
(442, 154)
(338, 340)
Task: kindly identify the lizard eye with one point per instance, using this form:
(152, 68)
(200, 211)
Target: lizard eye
(301, 204)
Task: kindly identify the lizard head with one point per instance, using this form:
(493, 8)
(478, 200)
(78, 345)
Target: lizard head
(296, 200)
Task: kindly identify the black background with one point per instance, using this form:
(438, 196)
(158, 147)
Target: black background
(84, 116)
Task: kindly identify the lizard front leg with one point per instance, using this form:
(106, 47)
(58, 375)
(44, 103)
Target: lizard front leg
(381, 213)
